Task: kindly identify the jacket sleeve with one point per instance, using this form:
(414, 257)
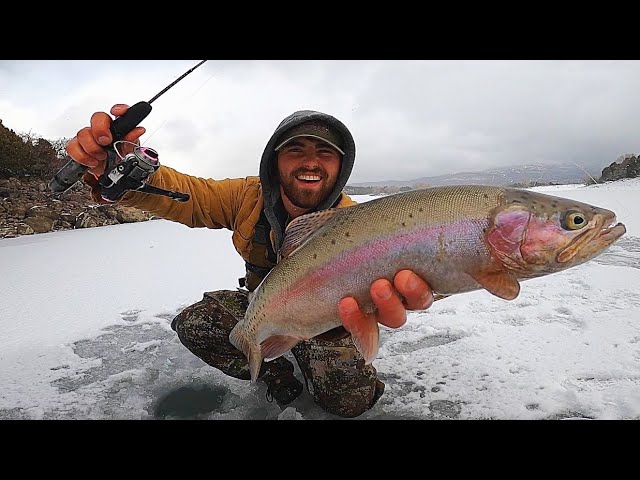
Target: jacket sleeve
(212, 203)
(346, 201)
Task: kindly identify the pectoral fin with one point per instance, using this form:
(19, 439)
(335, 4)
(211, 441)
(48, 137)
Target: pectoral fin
(501, 284)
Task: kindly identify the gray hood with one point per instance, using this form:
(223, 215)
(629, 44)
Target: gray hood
(268, 177)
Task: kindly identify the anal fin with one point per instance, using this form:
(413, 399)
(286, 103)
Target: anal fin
(366, 337)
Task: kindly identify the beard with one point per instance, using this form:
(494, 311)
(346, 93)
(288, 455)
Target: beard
(306, 198)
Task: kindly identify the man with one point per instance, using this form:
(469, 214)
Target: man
(305, 165)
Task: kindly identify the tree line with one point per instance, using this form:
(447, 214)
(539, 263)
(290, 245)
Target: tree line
(29, 155)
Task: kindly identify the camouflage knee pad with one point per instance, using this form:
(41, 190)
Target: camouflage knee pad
(341, 382)
(204, 329)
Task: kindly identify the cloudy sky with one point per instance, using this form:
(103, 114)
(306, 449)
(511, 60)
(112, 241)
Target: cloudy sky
(410, 119)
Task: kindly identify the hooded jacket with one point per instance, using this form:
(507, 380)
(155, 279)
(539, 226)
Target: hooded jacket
(242, 204)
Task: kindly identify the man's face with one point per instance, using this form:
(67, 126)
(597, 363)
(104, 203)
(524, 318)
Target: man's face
(308, 169)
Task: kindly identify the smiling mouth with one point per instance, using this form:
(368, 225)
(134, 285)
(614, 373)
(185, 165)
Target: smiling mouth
(309, 178)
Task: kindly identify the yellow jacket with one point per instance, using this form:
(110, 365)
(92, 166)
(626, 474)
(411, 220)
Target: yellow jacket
(234, 204)
(251, 207)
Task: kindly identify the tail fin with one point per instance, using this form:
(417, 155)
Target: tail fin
(239, 339)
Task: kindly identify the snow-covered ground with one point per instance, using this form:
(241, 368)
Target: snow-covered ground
(85, 314)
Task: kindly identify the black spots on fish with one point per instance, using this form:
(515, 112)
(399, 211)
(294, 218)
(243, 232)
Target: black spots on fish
(554, 204)
(477, 252)
(421, 209)
(485, 196)
(333, 241)
(404, 224)
(411, 215)
(315, 255)
(347, 234)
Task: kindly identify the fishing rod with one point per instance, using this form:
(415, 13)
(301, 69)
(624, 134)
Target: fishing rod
(133, 169)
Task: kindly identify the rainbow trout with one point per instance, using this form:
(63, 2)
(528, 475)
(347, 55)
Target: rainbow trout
(457, 238)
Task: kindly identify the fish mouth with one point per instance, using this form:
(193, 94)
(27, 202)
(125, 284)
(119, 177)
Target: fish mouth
(594, 239)
(612, 233)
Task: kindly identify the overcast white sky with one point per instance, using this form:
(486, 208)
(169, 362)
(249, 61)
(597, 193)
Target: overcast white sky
(84, 338)
(410, 119)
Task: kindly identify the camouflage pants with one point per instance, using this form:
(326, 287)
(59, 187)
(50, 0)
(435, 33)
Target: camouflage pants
(340, 381)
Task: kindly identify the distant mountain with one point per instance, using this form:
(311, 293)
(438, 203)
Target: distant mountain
(523, 175)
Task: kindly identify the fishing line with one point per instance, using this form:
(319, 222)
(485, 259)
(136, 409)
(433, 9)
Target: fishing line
(588, 174)
(624, 209)
(190, 97)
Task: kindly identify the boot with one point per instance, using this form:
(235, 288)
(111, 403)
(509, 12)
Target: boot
(379, 390)
(282, 385)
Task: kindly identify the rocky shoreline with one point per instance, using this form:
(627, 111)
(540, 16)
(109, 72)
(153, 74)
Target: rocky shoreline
(27, 207)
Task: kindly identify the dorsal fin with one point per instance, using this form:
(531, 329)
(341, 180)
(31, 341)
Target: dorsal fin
(302, 228)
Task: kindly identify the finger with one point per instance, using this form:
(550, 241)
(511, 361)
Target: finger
(416, 292)
(100, 123)
(90, 148)
(350, 313)
(98, 170)
(391, 312)
(134, 135)
(119, 109)
(75, 151)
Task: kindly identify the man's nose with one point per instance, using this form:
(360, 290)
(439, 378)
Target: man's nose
(311, 158)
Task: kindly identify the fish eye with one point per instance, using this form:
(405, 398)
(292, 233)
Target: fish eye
(574, 220)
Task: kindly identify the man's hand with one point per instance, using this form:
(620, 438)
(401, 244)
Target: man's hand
(87, 146)
(391, 309)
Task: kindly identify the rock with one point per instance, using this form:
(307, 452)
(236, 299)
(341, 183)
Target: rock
(43, 211)
(86, 220)
(27, 207)
(62, 225)
(130, 215)
(109, 211)
(39, 224)
(627, 167)
(69, 218)
(24, 229)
